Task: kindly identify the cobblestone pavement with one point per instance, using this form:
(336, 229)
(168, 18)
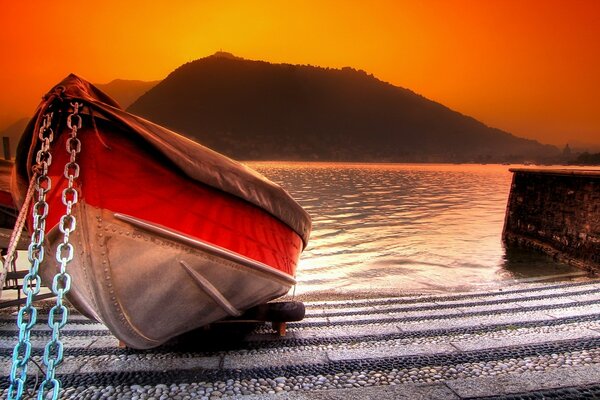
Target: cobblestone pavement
(527, 341)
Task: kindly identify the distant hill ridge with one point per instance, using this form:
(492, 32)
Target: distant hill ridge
(126, 91)
(258, 110)
(13, 132)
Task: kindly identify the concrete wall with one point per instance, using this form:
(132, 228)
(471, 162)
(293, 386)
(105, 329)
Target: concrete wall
(557, 212)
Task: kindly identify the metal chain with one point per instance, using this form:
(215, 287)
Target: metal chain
(53, 352)
(31, 282)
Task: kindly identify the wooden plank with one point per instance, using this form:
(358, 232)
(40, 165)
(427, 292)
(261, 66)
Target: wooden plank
(11, 303)
(5, 239)
(16, 275)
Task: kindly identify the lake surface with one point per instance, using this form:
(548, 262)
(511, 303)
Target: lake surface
(406, 228)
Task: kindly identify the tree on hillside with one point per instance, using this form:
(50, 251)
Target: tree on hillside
(588, 159)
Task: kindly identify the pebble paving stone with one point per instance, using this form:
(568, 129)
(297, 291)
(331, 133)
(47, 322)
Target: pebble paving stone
(526, 341)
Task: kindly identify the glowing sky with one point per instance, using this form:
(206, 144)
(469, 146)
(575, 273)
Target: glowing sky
(531, 67)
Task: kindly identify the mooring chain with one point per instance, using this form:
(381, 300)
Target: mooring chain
(53, 352)
(57, 319)
(31, 282)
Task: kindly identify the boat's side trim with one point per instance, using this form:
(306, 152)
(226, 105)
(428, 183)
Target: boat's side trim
(205, 246)
(211, 291)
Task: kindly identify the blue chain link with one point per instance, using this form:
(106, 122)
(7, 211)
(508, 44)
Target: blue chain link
(61, 284)
(27, 316)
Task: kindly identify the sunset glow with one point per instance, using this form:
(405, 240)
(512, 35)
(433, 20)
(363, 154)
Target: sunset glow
(530, 68)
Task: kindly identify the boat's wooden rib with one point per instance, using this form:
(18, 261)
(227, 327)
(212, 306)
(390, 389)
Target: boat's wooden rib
(211, 291)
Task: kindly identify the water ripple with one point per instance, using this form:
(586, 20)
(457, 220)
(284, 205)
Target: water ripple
(419, 227)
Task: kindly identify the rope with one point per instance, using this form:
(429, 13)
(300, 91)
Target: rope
(17, 232)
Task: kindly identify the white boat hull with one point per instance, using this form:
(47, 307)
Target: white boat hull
(149, 284)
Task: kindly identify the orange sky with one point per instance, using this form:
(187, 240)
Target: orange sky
(531, 67)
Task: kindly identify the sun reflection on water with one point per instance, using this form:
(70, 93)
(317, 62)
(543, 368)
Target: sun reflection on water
(404, 227)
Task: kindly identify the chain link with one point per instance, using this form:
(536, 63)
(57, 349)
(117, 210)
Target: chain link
(57, 319)
(61, 284)
(31, 282)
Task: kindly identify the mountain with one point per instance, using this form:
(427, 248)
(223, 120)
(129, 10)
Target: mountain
(124, 91)
(262, 111)
(13, 132)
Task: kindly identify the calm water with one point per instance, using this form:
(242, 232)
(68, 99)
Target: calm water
(406, 227)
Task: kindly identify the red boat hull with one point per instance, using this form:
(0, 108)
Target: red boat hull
(124, 176)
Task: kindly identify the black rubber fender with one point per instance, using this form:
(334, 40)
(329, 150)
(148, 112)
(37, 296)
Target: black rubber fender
(282, 311)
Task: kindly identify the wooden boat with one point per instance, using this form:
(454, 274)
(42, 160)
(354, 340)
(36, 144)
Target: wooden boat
(170, 235)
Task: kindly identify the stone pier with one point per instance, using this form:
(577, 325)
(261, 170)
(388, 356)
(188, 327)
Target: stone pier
(556, 211)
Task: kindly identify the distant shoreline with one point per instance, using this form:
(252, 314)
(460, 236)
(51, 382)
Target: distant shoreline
(383, 163)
